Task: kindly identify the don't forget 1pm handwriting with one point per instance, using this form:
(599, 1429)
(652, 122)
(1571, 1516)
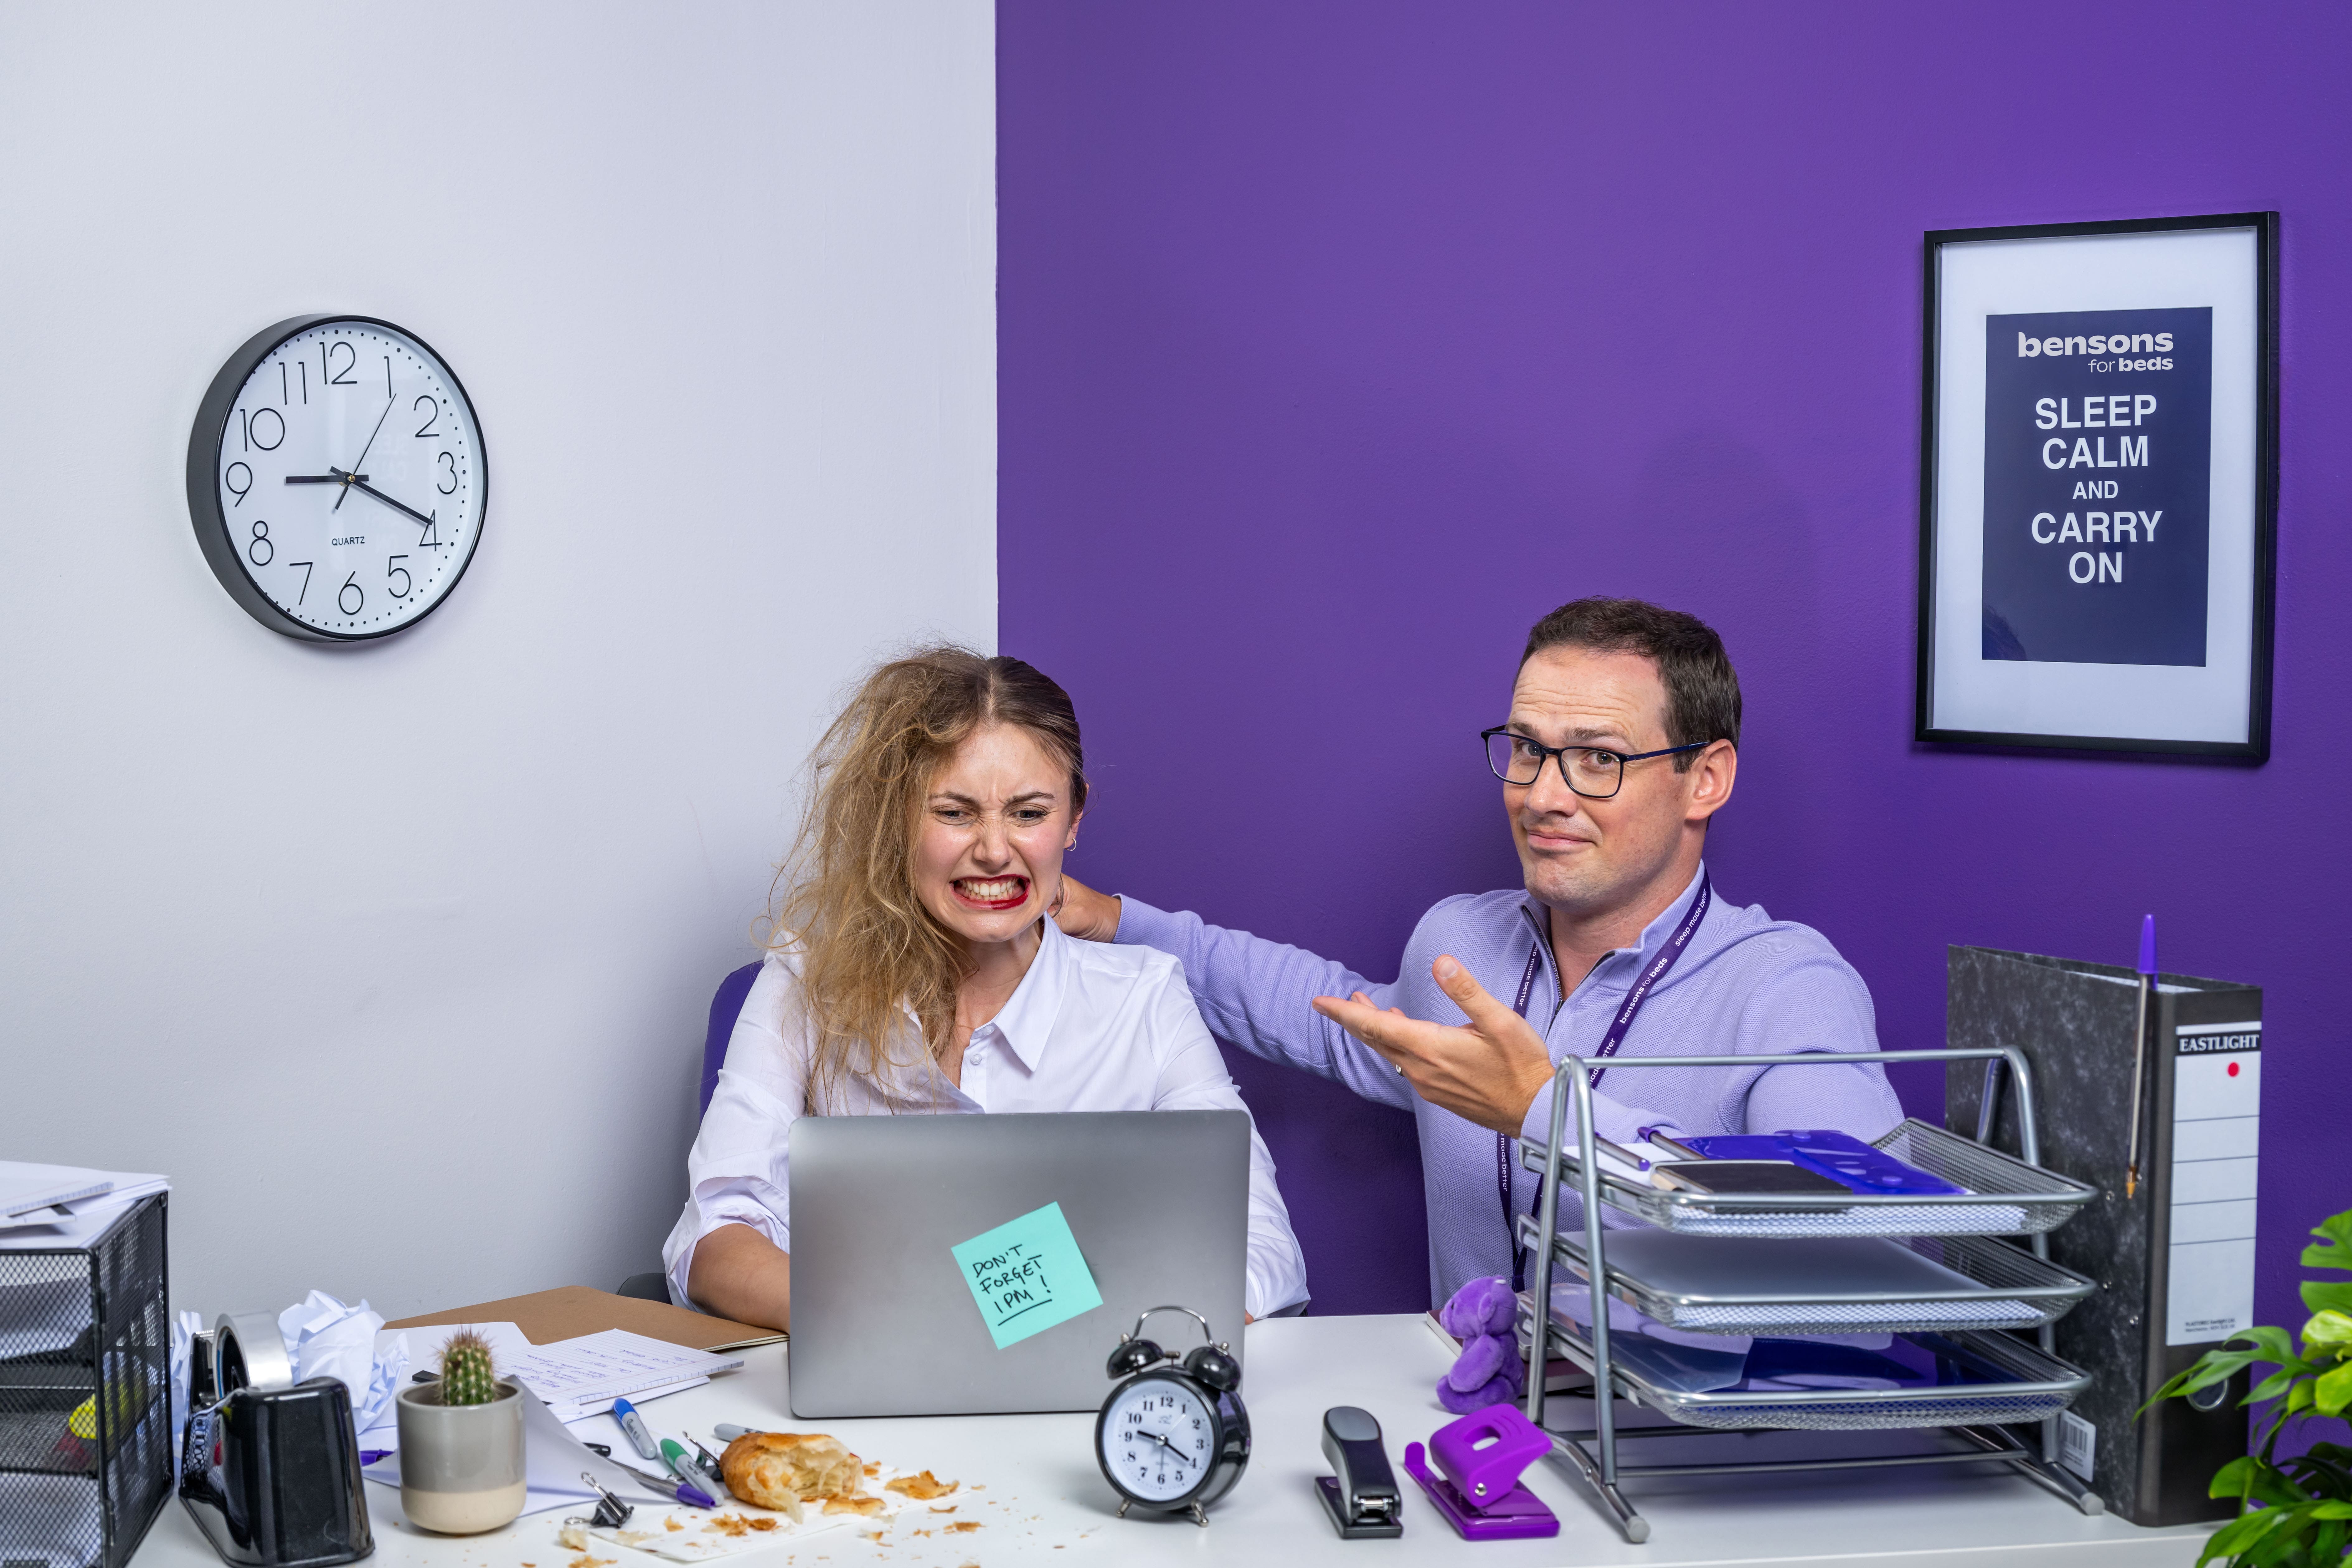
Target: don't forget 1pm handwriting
(1012, 1282)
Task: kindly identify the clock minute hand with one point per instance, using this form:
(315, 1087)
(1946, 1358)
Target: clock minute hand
(359, 483)
(1181, 1456)
(368, 447)
(322, 478)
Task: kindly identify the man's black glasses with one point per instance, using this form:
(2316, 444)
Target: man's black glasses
(1595, 772)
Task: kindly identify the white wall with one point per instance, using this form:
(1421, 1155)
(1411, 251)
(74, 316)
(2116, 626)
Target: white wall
(396, 958)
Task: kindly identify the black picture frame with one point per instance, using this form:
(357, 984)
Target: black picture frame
(2254, 748)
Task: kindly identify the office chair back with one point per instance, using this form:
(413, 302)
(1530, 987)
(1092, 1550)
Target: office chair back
(724, 1007)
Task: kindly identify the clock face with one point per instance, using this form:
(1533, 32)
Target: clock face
(1159, 1439)
(348, 480)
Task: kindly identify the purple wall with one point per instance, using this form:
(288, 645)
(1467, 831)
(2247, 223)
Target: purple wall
(1338, 342)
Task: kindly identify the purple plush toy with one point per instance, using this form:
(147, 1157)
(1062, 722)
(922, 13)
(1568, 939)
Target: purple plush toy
(1488, 1371)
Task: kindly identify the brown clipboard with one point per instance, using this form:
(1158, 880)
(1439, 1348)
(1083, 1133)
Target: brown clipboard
(569, 1310)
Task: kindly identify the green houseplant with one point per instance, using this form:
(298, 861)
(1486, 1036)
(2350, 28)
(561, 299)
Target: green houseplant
(2295, 1512)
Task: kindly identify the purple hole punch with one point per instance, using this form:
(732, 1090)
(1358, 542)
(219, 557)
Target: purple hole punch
(1479, 1461)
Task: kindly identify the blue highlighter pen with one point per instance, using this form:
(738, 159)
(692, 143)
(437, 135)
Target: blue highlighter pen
(634, 1424)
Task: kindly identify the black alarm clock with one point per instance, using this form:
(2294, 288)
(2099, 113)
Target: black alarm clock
(1172, 1436)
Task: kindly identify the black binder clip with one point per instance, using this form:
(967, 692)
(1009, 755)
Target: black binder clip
(611, 1512)
(708, 1463)
(1361, 1498)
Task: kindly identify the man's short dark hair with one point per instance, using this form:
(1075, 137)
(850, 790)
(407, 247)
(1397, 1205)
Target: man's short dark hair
(1702, 689)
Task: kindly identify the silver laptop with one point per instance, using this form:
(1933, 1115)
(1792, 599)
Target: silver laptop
(884, 1321)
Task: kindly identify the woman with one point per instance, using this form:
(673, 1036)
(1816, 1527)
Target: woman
(914, 971)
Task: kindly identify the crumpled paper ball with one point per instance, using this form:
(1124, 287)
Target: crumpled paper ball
(324, 1338)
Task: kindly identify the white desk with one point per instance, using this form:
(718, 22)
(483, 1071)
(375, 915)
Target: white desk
(1044, 1501)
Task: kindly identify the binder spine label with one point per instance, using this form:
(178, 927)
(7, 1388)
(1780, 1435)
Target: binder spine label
(2216, 1138)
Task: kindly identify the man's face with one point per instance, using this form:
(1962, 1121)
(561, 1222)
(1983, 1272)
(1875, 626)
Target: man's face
(1582, 855)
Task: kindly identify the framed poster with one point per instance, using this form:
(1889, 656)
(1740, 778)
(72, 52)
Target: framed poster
(2099, 485)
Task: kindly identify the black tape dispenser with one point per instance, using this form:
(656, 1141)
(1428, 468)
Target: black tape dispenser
(271, 1470)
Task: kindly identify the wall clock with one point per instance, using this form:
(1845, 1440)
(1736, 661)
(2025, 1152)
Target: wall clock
(336, 478)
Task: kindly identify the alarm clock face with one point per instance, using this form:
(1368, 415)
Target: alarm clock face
(1159, 1439)
(347, 479)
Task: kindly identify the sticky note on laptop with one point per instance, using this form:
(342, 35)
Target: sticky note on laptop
(1027, 1275)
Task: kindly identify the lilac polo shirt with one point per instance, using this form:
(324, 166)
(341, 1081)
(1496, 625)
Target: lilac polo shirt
(1747, 984)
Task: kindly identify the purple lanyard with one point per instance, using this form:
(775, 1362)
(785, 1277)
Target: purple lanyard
(1616, 1037)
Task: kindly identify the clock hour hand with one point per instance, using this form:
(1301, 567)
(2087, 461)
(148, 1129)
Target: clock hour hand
(336, 479)
(359, 482)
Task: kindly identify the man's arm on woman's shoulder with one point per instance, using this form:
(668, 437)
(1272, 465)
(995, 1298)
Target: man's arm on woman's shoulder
(1257, 993)
(1192, 1078)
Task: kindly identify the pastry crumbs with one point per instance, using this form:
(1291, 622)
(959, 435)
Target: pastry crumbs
(760, 1523)
(964, 1526)
(667, 1524)
(922, 1487)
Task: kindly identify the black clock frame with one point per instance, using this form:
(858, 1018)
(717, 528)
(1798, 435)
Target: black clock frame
(211, 524)
(1229, 1454)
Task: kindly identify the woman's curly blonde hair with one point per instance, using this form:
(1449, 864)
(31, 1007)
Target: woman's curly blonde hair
(867, 945)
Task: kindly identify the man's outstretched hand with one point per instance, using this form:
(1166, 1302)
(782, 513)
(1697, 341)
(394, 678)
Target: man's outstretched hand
(1488, 1071)
(1084, 913)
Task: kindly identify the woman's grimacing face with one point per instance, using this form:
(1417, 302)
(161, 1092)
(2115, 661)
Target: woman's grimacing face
(988, 850)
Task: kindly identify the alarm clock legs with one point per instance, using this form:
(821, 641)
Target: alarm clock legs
(1200, 1517)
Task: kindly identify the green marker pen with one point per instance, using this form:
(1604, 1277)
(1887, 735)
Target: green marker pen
(673, 1454)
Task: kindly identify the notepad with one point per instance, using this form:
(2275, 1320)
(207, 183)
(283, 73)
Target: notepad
(582, 1377)
(58, 1204)
(25, 1187)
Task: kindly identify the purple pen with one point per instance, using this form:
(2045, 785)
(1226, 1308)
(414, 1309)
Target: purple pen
(685, 1492)
(2140, 1046)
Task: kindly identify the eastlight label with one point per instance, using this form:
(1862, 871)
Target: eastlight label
(2217, 1101)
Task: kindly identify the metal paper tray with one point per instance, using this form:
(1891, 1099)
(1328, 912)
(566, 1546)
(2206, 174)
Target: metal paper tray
(2045, 1386)
(2016, 1291)
(2005, 1197)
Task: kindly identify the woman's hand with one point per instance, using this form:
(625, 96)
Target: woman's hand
(1084, 913)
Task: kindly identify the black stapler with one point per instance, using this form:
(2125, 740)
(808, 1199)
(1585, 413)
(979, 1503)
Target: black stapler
(1361, 1498)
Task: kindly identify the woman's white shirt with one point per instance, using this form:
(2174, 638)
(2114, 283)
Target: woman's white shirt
(1090, 1027)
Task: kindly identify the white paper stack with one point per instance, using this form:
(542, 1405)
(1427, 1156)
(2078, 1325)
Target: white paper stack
(64, 1205)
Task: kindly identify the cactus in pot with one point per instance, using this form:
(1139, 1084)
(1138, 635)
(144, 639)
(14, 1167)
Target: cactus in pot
(461, 1443)
(467, 1375)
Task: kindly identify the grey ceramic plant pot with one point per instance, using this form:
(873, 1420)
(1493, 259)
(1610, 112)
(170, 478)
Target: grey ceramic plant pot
(461, 1467)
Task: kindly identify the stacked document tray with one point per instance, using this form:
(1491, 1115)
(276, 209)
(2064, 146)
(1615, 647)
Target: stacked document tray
(1981, 1379)
(1738, 1285)
(1852, 1309)
(2005, 1197)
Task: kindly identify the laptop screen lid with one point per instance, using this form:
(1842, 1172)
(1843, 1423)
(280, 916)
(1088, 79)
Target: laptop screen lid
(884, 1321)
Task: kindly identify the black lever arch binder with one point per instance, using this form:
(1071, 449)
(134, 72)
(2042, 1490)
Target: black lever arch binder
(2175, 1263)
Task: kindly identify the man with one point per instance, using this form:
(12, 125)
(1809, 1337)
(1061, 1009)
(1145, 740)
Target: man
(1620, 746)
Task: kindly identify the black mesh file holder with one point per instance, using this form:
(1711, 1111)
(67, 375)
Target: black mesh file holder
(84, 1395)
